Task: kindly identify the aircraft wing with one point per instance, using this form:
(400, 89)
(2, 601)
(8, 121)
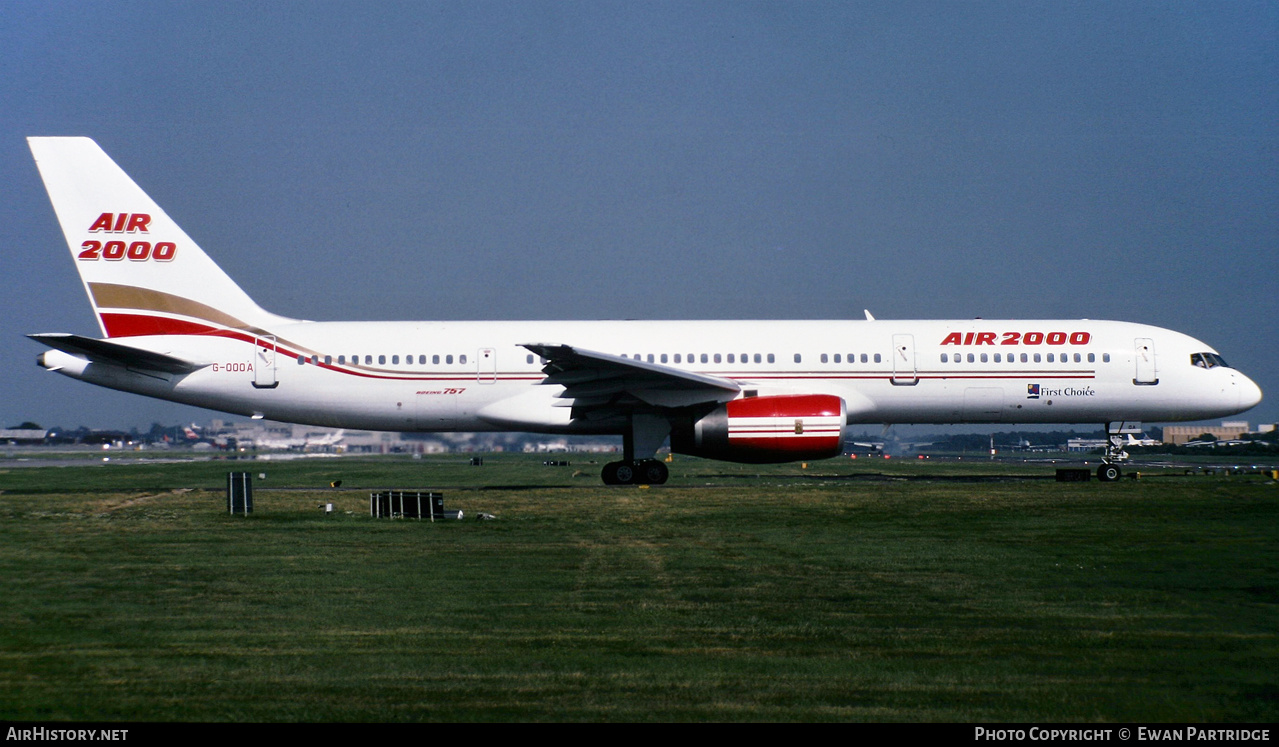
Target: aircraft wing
(103, 351)
(599, 385)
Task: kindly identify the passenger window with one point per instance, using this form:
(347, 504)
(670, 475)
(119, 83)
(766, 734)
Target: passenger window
(757, 358)
(315, 360)
(435, 359)
(878, 359)
(944, 359)
(461, 359)
(368, 360)
(824, 358)
(341, 360)
(731, 358)
(997, 360)
(837, 360)
(650, 357)
(771, 359)
(677, 357)
(983, 357)
(448, 359)
(970, 358)
(864, 358)
(663, 357)
(395, 360)
(1050, 357)
(1023, 357)
(1105, 357)
(798, 359)
(381, 360)
(717, 357)
(301, 359)
(328, 360)
(704, 358)
(1092, 357)
(1036, 357)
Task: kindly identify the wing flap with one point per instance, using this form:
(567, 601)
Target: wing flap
(599, 384)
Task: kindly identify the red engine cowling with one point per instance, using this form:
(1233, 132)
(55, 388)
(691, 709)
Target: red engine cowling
(759, 430)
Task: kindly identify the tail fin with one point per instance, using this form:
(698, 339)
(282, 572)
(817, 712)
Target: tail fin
(143, 274)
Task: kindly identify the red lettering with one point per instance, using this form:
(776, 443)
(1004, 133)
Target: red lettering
(139, 251)
(103, 223)
(113, 251)
(164, 251)
(138, 222)
(119, 223)
(91, 249)
(1018, 338)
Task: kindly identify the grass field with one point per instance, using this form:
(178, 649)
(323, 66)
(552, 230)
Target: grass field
(853, 591)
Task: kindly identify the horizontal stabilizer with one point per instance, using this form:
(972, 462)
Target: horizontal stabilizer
(102, 351)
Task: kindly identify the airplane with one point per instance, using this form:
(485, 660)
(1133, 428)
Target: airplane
(302, 444)
(176, 327)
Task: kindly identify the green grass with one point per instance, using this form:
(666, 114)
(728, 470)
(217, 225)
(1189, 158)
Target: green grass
(847, 591)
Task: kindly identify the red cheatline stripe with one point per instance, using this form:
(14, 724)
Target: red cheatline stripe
(137, 325)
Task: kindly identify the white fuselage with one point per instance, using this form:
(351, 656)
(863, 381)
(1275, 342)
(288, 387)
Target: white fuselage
(475, 376)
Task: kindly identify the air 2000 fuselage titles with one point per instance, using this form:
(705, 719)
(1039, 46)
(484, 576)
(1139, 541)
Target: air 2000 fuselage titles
(176, 327)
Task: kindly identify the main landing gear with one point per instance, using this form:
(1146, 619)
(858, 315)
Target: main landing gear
(1109, 470)
(641, 439)
(643, 472)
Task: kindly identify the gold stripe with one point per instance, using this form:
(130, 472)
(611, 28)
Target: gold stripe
(112, 296)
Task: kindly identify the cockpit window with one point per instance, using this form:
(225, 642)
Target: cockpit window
(1208, 360)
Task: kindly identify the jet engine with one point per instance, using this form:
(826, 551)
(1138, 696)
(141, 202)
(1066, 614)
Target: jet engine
(759, 430)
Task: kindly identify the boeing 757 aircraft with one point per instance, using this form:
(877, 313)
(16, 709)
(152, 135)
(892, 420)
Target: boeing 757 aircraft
(176, 327)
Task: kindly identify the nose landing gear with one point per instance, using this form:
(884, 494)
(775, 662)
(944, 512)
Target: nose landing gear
(1109, 471)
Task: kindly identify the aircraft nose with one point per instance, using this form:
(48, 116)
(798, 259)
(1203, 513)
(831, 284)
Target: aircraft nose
(1249, 393)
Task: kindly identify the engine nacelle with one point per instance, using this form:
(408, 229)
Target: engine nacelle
(760, 430)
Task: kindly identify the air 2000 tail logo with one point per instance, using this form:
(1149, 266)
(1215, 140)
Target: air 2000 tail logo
(134, 251)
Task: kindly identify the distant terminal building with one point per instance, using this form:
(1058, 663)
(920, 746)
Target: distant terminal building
(1229, 430)
(21, 435)
(1085, 444)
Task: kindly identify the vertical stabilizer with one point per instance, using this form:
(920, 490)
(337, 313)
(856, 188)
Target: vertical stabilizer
(143, 274)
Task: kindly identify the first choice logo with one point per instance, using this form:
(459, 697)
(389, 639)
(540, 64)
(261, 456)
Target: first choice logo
(134, 251)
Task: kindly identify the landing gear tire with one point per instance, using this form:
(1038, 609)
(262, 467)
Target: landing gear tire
(1109, 472)
(618, 473)
(652, 472)
(647, 472)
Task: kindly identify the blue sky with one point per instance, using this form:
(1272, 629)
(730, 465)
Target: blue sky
(683, 160)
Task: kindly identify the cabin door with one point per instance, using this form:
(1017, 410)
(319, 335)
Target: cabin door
(1145, 352)
(264, 354)
(486, 359)
(904, 373)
